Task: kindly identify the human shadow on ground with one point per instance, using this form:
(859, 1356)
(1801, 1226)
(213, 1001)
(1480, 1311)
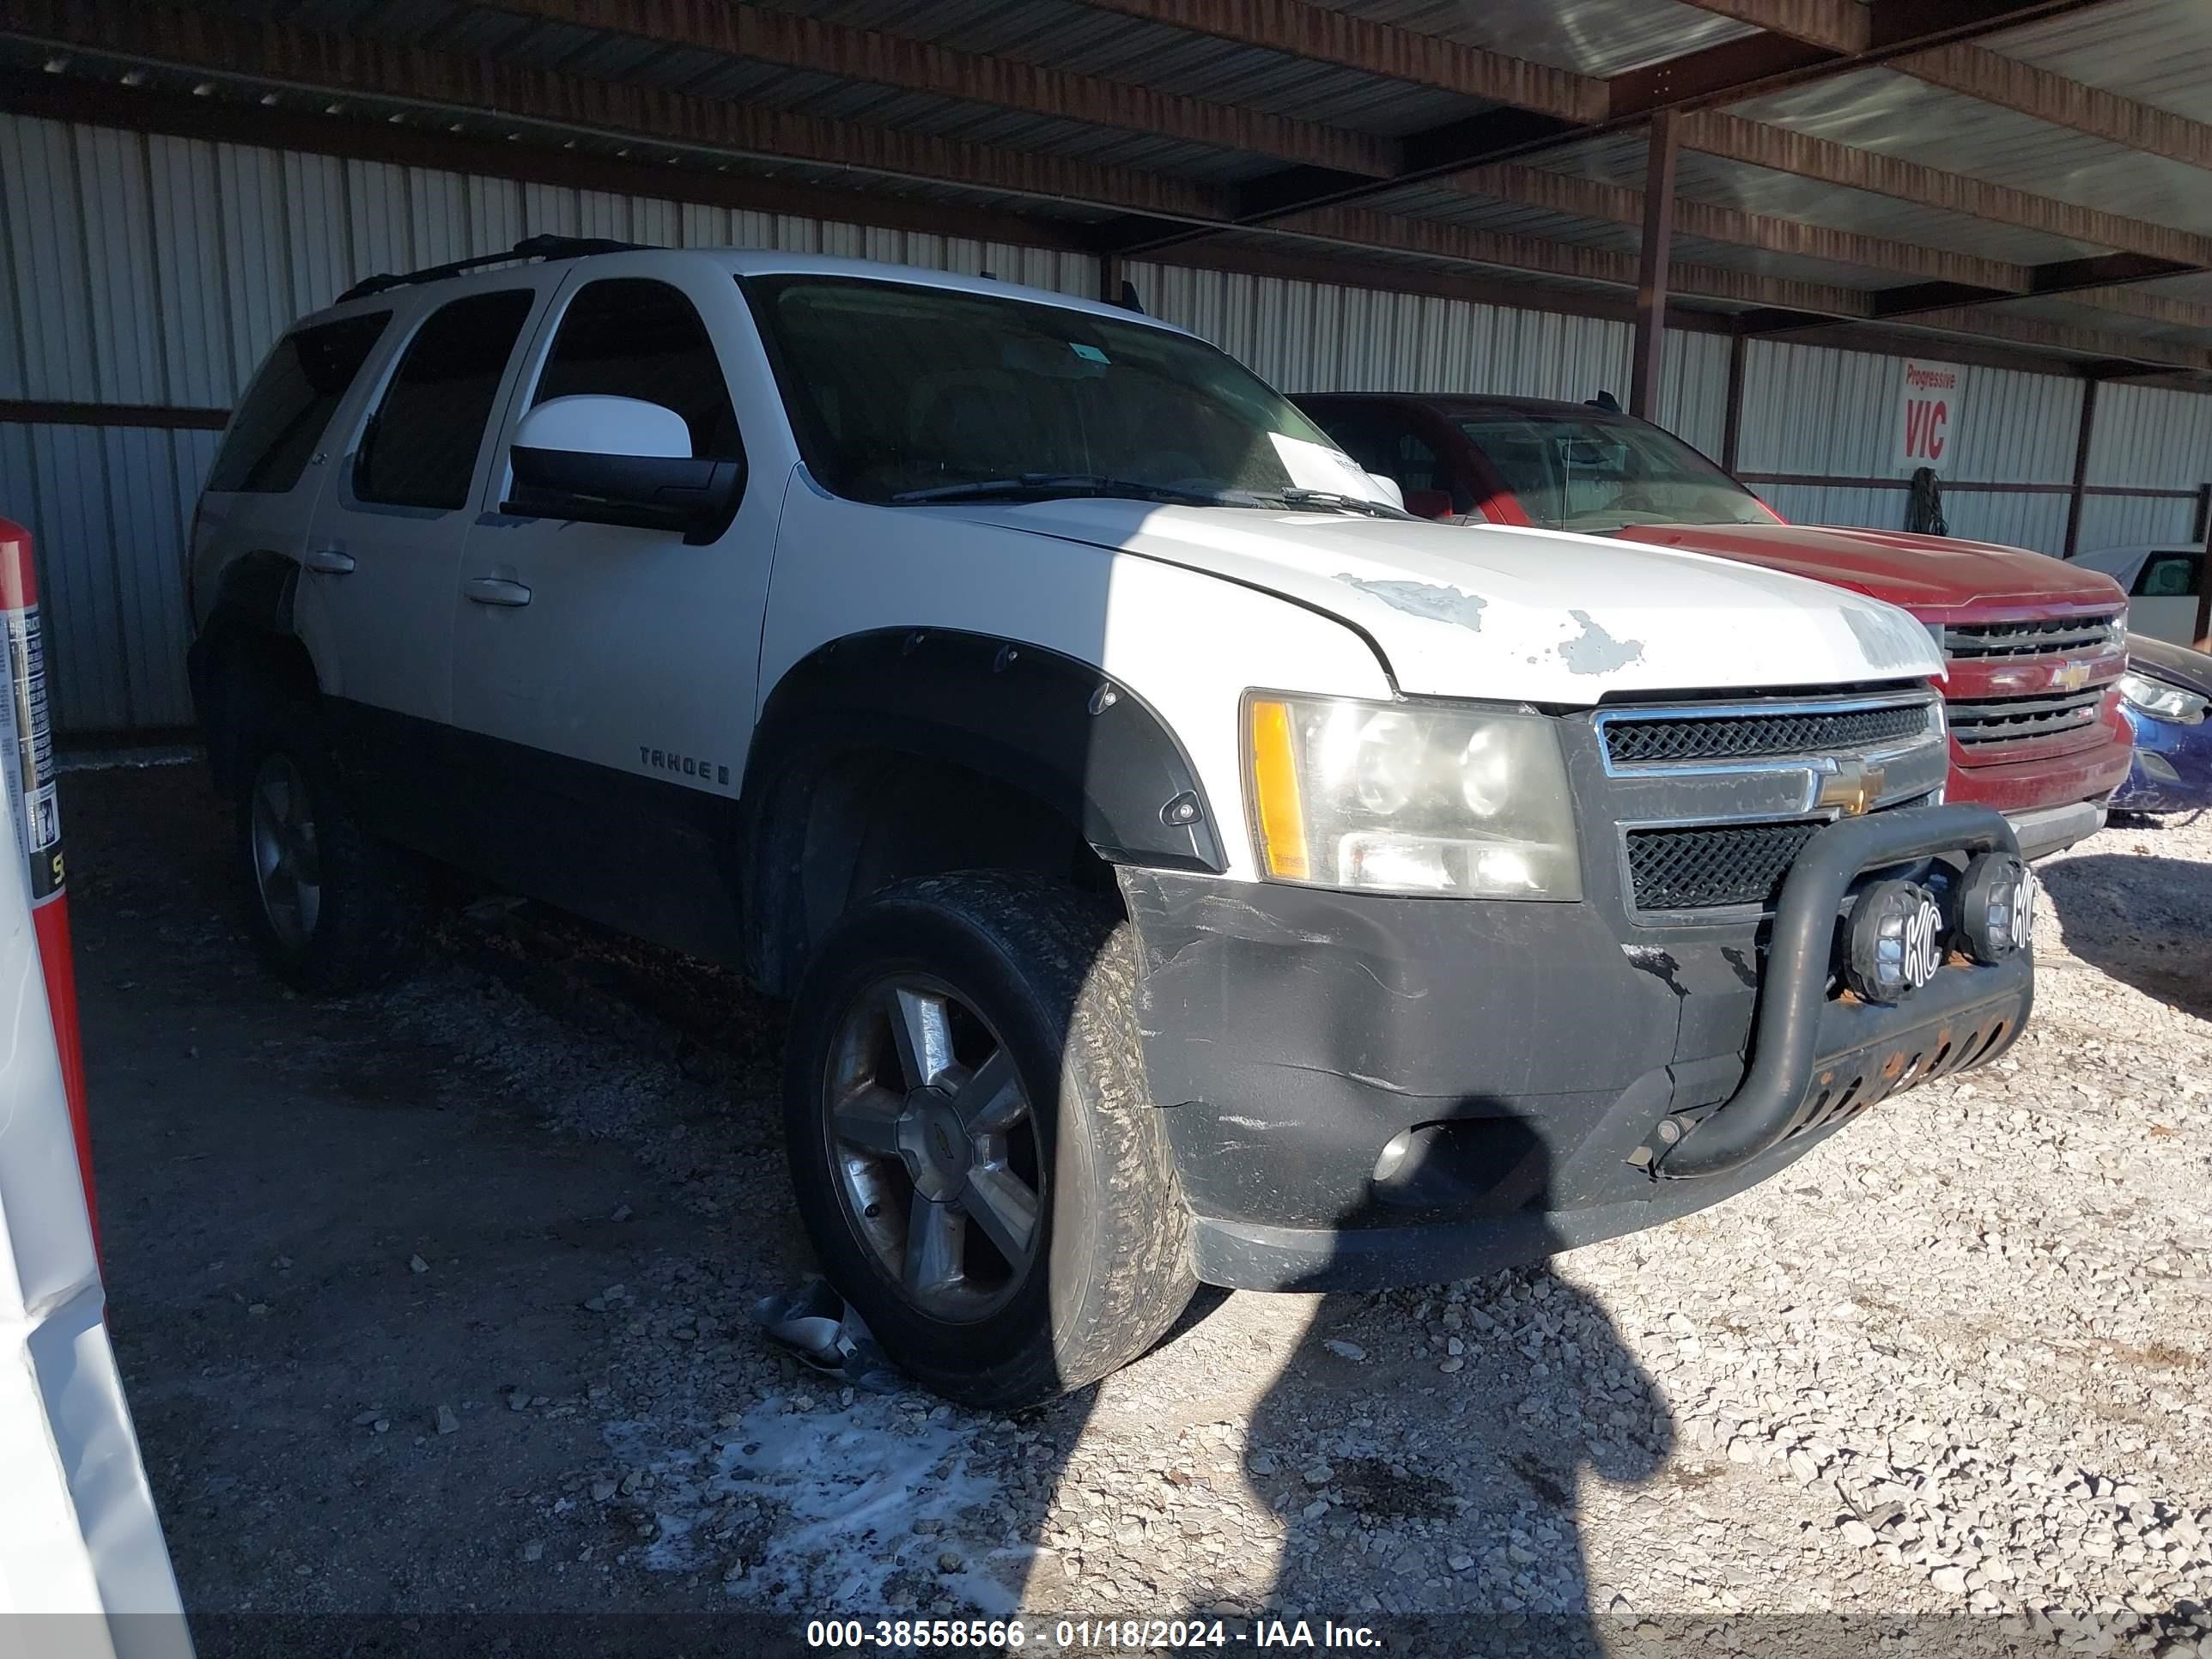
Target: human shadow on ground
(1428, 1453)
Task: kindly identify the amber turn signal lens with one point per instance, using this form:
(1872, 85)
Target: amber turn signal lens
(1281, 816)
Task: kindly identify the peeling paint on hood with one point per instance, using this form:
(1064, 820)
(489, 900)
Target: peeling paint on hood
(1594, 651)
(1446, 605)
(1497, 611)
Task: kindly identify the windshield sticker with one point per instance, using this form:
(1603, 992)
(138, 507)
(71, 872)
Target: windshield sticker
(1089, 354)
(1318, 466)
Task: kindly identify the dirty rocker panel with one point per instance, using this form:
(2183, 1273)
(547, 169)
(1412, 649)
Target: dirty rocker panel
(650, 856)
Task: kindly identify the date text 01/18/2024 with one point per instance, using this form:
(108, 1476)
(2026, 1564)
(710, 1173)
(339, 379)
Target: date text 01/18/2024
(1115, 1635)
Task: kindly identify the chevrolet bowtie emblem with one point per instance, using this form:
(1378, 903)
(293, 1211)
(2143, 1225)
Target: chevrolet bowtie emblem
(1852, 788)
(2071, 677)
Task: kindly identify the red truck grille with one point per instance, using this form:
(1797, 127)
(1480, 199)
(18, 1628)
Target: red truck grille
(2012, 720)
(2047, 659)
(2058, 636)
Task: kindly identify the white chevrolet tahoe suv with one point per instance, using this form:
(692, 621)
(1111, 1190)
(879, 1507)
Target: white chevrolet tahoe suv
(1183, 866)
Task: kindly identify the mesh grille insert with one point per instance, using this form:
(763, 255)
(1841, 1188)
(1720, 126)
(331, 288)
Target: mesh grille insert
(1756, 736)
(1714, 865)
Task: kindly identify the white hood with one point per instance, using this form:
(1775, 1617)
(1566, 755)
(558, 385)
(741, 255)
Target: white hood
(1533, 616)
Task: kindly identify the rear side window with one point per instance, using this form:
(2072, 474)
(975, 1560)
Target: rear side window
(630, 336)
(421, 449)
(2168, 575)
(290, 402)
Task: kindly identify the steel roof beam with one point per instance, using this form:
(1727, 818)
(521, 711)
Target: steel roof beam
(1322, 34)
(1592, 198)
(1843, 27)
(1787, 302)
(888, 60)
(1532, 124)
(2029, 90)
(1785, 150)
(1362, 228)
(351, 68)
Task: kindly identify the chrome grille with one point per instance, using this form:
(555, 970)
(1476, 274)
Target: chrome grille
(2057, 636)
(2014, 719)
(1757, 736)
(1710, 866)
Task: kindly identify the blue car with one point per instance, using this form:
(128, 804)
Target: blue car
(2165, 694)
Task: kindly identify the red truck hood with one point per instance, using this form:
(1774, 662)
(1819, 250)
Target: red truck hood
(1931, 576)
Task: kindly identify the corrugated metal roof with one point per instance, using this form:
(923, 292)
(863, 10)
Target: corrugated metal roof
(1593, 37)
(2159, 51)
(1088, 40)
(1620, 159)
(1893, 114)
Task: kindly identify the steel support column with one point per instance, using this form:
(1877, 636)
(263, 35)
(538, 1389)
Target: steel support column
(2202, 638)
(2087, 425)
(1732, 430)
(1651, 273)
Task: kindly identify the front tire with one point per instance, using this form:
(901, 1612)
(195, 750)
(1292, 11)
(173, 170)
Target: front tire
(976, 1158)
(332, 908)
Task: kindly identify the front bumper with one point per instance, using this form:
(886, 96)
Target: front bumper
(2054, 828)
(2173, 770)
(1363, 1092)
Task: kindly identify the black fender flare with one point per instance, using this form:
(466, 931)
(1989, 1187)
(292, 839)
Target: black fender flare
(251, 614)
(1060, 731)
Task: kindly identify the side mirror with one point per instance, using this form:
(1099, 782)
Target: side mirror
(1389, 486)
(1428, 503)
(619, 460)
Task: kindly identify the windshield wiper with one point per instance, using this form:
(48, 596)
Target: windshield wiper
(1047, 486)
(1330, 498)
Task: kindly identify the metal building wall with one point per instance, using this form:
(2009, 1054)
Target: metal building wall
(1817, 410)
(1320, 337)
(2144, 437)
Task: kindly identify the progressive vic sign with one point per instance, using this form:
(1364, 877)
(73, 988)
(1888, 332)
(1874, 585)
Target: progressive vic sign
(1928, 417)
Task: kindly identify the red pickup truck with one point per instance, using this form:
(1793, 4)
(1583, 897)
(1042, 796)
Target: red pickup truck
(2035, 646)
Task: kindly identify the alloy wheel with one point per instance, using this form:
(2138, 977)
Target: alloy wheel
(935, 1146)
(288, 871)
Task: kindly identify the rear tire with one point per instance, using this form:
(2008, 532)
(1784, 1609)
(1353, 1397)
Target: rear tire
(332, 908)
(1012, 1240)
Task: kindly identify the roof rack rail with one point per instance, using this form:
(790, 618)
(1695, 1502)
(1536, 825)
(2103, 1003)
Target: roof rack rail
(547, 246)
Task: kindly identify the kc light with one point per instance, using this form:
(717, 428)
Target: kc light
(1409, 798)
(2162, 701)
(1895, 941)
(1996, 906)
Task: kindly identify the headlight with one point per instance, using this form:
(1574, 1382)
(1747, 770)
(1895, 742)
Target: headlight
(2161, 701)
(1409, 799)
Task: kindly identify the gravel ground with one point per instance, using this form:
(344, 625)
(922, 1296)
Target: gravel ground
(1940, 1386)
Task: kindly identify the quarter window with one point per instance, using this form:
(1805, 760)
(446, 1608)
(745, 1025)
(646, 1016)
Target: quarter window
(290, 402)
(421, 449)
(2168, 575)
(630, 336)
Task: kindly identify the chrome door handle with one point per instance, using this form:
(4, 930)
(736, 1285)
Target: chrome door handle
(494, 590)
(330, 561)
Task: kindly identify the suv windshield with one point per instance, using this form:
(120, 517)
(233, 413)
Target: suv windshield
(1598, 475)
(908, 394)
